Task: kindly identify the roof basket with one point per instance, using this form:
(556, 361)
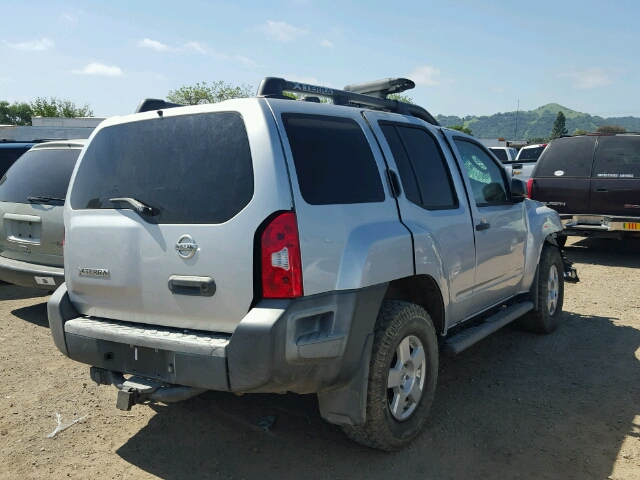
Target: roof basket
(375, 97)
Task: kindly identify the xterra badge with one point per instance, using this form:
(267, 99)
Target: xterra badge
(94, 272)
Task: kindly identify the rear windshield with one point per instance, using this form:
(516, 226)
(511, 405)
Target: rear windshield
(333, 160)
(39, 173)
(567, 157)
(617, 157)
(194, 168)
(530, 154)
(501, 154)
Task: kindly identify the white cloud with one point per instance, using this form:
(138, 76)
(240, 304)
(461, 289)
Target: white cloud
(425, 76)
(155, 45)
(281, 31)
(96, 68)
(34, 45)
(196, 46)
(498, 89)
(68, 18)
(4, 79)
(326, 43)
(246, 61)
(587, 78)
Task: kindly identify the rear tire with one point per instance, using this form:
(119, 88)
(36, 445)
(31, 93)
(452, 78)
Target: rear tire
(402, 377)
(550, 293)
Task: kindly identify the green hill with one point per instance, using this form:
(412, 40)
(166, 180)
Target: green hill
(534, 123)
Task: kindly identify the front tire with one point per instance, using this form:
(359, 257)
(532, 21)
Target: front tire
(550, 293)
(402, 377)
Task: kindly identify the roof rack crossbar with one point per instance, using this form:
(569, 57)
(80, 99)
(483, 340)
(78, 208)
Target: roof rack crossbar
(274, 87)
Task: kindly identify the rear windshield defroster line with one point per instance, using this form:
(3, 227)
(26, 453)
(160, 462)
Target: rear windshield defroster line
(39, 173)
(193, 168)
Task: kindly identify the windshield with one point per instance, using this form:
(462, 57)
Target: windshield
(39, 173)
(193, 168)
(530, 154)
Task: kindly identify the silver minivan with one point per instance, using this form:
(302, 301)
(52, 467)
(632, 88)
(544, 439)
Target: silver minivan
(32, 194)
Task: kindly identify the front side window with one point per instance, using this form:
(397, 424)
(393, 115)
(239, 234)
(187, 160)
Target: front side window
(333, 160)
(485, 176)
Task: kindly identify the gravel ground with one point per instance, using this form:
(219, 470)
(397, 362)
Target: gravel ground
(516, 405)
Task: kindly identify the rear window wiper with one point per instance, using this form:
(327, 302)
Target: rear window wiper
(44, 199)
(138, 206)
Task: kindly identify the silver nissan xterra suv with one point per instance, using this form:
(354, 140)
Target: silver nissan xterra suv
(272, 245)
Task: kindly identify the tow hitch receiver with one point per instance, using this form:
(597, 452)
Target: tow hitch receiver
(137, 390)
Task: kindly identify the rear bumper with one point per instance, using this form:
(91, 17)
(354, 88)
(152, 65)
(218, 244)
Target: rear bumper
(24, 273)
(599, 225)
(308, 345)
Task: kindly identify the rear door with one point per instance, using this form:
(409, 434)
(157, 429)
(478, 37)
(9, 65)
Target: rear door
(433, 205)
(191, 266)
(615, 183)
(562, 178)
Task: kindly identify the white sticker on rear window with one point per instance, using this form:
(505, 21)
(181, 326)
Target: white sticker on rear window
(45, 280)
(558, 173)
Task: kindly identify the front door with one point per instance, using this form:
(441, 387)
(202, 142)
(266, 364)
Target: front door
(499, 225)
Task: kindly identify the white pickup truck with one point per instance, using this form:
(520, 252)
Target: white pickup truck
(522, 166)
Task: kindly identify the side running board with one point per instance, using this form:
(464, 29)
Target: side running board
(466, 338)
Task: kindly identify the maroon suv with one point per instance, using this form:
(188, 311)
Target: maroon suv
(593, 181)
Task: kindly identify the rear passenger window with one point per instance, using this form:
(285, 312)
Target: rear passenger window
(333, 160)
(421, 165)
(567, 157)
(617, 157)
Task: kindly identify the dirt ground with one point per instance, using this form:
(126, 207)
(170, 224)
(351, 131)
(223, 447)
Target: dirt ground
(516, 405)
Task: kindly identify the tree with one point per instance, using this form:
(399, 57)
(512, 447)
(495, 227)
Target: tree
(610, 129)
(580, 131)
(462, 128)
(535, 140)
(54, 107)
(203, 93)
(17, 113)
(559, 126)
(297, 97)
(401, 98)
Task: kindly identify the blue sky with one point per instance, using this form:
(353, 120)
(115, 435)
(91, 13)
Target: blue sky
(467, 57)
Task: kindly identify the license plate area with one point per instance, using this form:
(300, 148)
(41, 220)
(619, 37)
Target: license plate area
(149, 362)
(23, 231)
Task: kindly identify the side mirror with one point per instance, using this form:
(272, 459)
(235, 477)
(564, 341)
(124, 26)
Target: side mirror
(518, 190)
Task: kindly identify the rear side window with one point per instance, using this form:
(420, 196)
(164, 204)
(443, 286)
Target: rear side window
(194, 168)
(39, 173)
(567, 157)
(531, 154)
(617, 157)
(421, 165)
(500, 154)
(333, 160)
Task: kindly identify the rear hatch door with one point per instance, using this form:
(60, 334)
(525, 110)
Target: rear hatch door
(32, 196)
(191, 264)
(562, 177)
(615, 185)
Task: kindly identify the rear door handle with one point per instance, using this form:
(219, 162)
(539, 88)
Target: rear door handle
(483, 226)
(602, 189)
(192, 285)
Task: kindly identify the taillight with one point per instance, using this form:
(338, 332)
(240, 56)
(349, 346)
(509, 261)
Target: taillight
(529, 187)
(281, 263)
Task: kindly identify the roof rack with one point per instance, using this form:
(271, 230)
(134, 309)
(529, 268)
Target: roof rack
(375, 97)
